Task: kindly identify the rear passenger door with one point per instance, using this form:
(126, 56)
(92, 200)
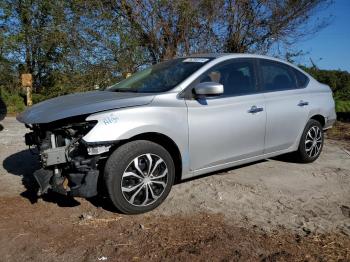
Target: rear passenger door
(287, 103)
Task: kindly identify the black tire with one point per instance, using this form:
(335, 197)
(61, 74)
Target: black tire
(303, 152)
(121, 160)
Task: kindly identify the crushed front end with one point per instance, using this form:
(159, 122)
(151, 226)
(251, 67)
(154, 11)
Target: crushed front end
(69, 165)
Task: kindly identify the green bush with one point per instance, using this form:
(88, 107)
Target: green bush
(338, 80)
(342, 106)
(14, 101)
(37, 98)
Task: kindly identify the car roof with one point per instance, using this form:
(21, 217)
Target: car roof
(224, 56)
(218, 55)
(210, 55)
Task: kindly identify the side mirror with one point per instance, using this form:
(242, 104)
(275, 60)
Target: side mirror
(209, 89)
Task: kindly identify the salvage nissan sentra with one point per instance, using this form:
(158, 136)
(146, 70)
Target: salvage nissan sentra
(176, 120)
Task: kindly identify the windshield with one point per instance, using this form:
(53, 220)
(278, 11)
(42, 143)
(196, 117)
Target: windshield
(160, 77)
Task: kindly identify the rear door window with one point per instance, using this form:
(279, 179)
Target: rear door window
(276, 76)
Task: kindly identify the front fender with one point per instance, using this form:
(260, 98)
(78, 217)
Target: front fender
(125, 123)
(122, 124)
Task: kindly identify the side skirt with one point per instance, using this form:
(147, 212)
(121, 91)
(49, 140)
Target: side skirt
(235, 163)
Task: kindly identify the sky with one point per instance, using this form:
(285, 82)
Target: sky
(330, 48)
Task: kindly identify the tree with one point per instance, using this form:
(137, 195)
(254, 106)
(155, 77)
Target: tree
(256, 25)
(165, 28)
(51, 40)
(74, 45)
(35, 34)
(170, 28)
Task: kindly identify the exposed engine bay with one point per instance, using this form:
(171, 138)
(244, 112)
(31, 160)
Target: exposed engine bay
(70, 166)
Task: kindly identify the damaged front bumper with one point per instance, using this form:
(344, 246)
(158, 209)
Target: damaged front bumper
(69, 165)
(81, 184)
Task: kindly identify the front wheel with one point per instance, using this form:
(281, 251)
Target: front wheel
(311, 142)
(139, 176)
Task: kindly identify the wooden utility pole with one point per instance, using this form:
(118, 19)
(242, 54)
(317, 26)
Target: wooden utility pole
(27, 83)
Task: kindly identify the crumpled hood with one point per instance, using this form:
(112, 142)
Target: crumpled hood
(81, 104)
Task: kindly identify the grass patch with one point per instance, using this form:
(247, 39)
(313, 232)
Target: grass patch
(342, 106)
(14, 101)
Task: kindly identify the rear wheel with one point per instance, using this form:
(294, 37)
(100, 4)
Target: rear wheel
(139, 176)
(311, 142)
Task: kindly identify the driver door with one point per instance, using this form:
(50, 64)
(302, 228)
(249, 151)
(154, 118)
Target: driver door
(230, 127)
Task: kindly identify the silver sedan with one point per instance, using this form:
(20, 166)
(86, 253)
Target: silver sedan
(176, 120)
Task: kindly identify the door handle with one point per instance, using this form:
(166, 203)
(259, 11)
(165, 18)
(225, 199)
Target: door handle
(303, 103)
(255, 109)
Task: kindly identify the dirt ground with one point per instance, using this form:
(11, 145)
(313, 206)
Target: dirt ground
(273, 210)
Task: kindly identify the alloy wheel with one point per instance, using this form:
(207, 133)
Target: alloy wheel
(144, 180)
(313, 141)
